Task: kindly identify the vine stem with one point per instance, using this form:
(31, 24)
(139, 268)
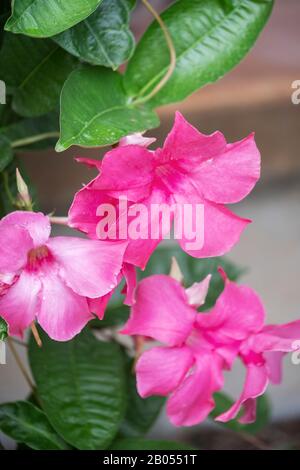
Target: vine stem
(59, 220)
(21, 365)
(36, 335)
(172, 51)
(20, 343)
(253, 440)
(139, 342)
(7, 189)
(33, 139)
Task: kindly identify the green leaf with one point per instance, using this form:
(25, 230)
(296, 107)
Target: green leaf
(34, 72)
(193, 269)
(104, 38)
(263, 414)
(32, 128)
(6, 153)
(27, 424)
(3, 330)
(147, 444)
(210, 37)
(81, 387)
(43, 19)
(141, 412)
(95, 110)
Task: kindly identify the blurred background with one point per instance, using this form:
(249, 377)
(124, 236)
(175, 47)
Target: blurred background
(255, 96)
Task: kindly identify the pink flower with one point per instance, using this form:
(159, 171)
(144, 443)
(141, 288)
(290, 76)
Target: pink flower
(262, 355)
(191, 168)
(58, 281)
(198, 347)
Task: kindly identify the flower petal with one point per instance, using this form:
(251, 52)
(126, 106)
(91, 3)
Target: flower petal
(221, 172)
(89, 267)
(220, 228)
(153, 228)
(160, 370)
(83, 211)
(36, 223)
(98, 306)
(127, 171)
(231, 175)
(274, 365)
(139, 251)
(63, 313)
(90, 162)
(255, 385)
(277, 337)
(192, 402)
(15, 243)
(187, 144)
(83, 216)
(161, 311)
(198, 291)
(6, 280)
(129, 273)
(20, 304)
(137, 139)
(237, 313)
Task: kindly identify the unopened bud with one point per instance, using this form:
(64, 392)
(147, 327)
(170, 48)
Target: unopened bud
(175, 271)
(23, 191)
(136, 139)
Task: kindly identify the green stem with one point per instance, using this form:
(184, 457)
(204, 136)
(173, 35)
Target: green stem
(6, 188)
(21, 365)
(19, 342)
(58, 220)
(33, 139)
(172, 52)
(24, 372)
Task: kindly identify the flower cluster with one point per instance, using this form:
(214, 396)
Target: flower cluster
(58, 281)
(198, 347)
(62, 282)
(191, 168)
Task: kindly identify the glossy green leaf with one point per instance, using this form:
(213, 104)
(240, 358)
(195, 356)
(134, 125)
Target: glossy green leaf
(147, 444)
(263, 414)
(193, 269)
(40, 18)
(33, 128)
(141, 413)
(3, 329)
(27, 424)
(34, 72)
(81, 387)
(210, 37)
(104, 38)
(95, 110)
(6, 153)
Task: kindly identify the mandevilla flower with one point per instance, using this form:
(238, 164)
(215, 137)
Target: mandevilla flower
(191, 169)
(198, 347)
(58, 281)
